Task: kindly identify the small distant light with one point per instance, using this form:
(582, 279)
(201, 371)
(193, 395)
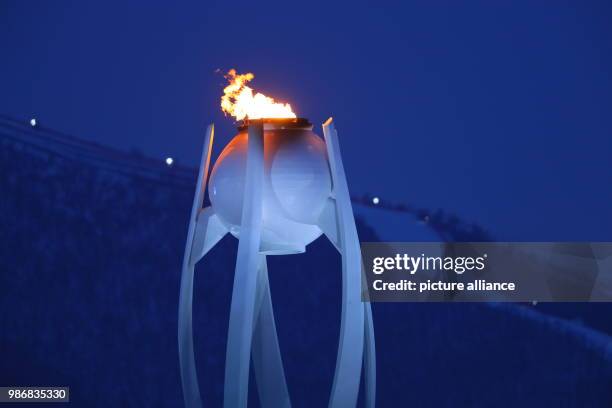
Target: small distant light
(33, 122)
(376, 200)
(169, 161)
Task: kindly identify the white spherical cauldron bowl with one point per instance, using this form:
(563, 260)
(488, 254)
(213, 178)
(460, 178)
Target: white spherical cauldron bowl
(297, 185)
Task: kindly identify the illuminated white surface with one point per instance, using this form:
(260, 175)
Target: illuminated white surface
(297, 184)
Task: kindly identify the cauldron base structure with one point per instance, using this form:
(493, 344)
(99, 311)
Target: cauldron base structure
(252, 330)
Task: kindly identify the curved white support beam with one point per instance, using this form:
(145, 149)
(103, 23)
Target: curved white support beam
(242, 314)
(328, 223)
(329, 226)
(267, 361)
(345, 388)
(209, 231)
(370, 358)
(189, 377)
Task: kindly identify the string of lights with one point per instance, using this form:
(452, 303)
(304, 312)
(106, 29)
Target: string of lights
(30, 134)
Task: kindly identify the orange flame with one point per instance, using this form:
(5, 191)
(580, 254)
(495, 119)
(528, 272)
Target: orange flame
(241, 102)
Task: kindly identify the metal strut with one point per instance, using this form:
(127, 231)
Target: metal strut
(251, 326)
(189, 376)
(356, 326)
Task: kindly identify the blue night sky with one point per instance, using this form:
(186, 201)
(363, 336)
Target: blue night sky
(498, 111)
